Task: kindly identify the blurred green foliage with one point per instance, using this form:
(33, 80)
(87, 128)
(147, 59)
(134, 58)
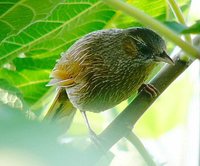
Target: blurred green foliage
(194, 29)
(25, 142)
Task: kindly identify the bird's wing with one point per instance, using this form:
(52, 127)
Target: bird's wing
(64, 73)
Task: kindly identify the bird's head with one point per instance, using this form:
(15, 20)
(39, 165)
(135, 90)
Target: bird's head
(150, 47)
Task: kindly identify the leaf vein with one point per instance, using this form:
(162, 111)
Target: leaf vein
(13, 7)
(32, 83)
(6, 55)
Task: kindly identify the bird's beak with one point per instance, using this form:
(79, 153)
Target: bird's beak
(164, 58)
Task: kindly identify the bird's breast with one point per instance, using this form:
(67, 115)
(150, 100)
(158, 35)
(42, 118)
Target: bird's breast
(102, 87)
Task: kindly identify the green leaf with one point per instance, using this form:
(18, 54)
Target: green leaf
(175, 26)
(31, 83)
(10, 95)
(194, 29)
(156, 9)
(67, 22)
(33, 63)
(182, 29)
(18, 14)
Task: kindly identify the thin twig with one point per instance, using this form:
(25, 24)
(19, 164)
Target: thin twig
(179, 15)
(141, 149)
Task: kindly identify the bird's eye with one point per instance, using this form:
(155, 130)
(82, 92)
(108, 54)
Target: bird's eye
(162, 53)
(144, 49)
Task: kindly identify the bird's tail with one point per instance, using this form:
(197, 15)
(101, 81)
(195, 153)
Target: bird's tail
(61, 110)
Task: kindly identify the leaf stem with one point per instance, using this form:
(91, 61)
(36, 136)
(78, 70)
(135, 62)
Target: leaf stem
(155, 25)
(179, 15)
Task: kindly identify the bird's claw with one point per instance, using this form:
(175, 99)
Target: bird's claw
(149, 89)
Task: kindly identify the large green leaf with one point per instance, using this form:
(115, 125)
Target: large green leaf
(31, 83)
(67, 22)
(17, 14)
(34, 63)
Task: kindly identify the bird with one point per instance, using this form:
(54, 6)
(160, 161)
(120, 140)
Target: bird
(104, 68)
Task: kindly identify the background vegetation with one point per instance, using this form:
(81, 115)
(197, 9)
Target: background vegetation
(33, 34)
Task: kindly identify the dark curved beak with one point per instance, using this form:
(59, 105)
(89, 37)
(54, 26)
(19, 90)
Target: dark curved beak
(164, 58)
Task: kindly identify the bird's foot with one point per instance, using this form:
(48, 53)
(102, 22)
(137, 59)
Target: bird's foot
(149, 89)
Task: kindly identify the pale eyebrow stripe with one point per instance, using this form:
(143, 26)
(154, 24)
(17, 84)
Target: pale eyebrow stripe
(138, 40)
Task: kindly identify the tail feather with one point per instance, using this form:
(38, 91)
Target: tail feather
(61, 110)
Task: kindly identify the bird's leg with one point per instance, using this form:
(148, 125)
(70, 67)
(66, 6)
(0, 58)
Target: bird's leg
(87, 123)
(149, 89)
(92, 134)
(95, 139)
